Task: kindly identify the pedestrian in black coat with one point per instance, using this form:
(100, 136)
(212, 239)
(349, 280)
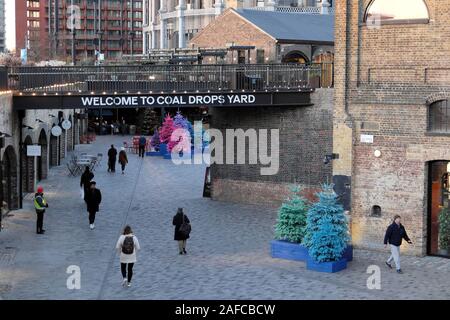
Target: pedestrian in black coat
(93, 199)
(178, 221)
(85, 181)
(112, 158)
(395, 233)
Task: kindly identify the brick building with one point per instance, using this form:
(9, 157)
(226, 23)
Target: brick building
(111, 27)
(391, 118)
(274, 37)
(2, 26)
(171, 24)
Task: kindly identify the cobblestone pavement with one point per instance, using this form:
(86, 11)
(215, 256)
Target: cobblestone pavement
(228, 253)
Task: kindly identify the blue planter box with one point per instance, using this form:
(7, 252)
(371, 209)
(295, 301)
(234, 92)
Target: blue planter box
(153, 153)
(163, 149)
(348, 253)
(288, 250)
(167, 156)
(329, 267)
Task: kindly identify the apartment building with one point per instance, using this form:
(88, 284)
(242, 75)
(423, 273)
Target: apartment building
(53, 29)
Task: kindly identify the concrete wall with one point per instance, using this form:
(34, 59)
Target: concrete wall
(305, 138)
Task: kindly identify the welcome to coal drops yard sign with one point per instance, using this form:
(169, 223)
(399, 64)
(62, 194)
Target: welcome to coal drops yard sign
(168, 100)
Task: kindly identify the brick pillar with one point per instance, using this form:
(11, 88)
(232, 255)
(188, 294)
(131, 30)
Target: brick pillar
(53, 151)
(44, 162)
(63, 144)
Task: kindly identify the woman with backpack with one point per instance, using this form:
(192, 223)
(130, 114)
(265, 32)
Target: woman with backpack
(127, 245)
(182, 229)
(123, 159)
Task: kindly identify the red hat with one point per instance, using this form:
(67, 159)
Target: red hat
(40, 190)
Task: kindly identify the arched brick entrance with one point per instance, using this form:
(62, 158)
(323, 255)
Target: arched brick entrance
(10, 179)
(42, 165)
(27, 168)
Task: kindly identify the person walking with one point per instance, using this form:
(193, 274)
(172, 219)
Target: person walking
(127, 245)
(182, 230)
(112, 158)
(142, 145)
(123, 159)
(85, 181)
(40, 203)
(93, 199)
(395, 233)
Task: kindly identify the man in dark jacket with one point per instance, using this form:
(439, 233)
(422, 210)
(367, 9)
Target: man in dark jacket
(40, 203)
(112, 158)
(85, 181)
(93, 199)
(142, 145)
(395, 233)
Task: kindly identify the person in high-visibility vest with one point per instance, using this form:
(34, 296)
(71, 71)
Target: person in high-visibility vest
(40, 204)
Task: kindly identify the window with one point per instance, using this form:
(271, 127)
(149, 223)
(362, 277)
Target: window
(397, 11)
(439, 117)
(259, 56)
(376, 211)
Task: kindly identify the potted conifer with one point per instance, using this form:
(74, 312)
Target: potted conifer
(326, 235)
(290, 228)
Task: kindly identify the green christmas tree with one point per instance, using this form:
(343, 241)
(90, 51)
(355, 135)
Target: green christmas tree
(291, 221)
(444, 229)
(327, 233)
(149, 120)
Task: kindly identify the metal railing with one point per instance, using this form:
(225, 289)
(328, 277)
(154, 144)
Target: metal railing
(167, 78)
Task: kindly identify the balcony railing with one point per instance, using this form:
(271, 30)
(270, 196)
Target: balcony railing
(168, 78)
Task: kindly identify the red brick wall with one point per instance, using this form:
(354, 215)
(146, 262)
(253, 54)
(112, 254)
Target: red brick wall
(234, 29)
(383, 79)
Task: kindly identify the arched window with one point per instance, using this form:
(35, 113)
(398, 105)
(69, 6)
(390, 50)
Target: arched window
(439, 117)
(397, 11)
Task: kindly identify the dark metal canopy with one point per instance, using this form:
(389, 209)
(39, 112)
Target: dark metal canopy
(177, 100)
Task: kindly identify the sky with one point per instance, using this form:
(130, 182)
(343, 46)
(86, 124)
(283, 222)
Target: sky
(10, 24)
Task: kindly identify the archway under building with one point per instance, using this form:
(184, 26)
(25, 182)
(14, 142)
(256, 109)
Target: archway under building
(10, 179)
(295, 57)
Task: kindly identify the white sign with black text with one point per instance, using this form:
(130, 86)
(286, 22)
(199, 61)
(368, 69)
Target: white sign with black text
(367, 138)
(33, 151)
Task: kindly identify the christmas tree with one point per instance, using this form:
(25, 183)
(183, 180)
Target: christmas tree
(166, 130)
(148, 119)
(327, 233)
(181, 122)
(291, 221)
(154, 142)
(180, 141)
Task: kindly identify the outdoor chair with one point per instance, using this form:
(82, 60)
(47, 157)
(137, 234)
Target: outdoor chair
(72, 170)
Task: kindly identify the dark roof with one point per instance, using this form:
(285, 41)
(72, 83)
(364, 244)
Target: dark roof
(285, 26)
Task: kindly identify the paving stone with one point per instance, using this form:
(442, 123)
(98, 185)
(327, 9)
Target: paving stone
(228, 253)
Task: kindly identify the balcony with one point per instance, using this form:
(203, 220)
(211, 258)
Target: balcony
(169, 78)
